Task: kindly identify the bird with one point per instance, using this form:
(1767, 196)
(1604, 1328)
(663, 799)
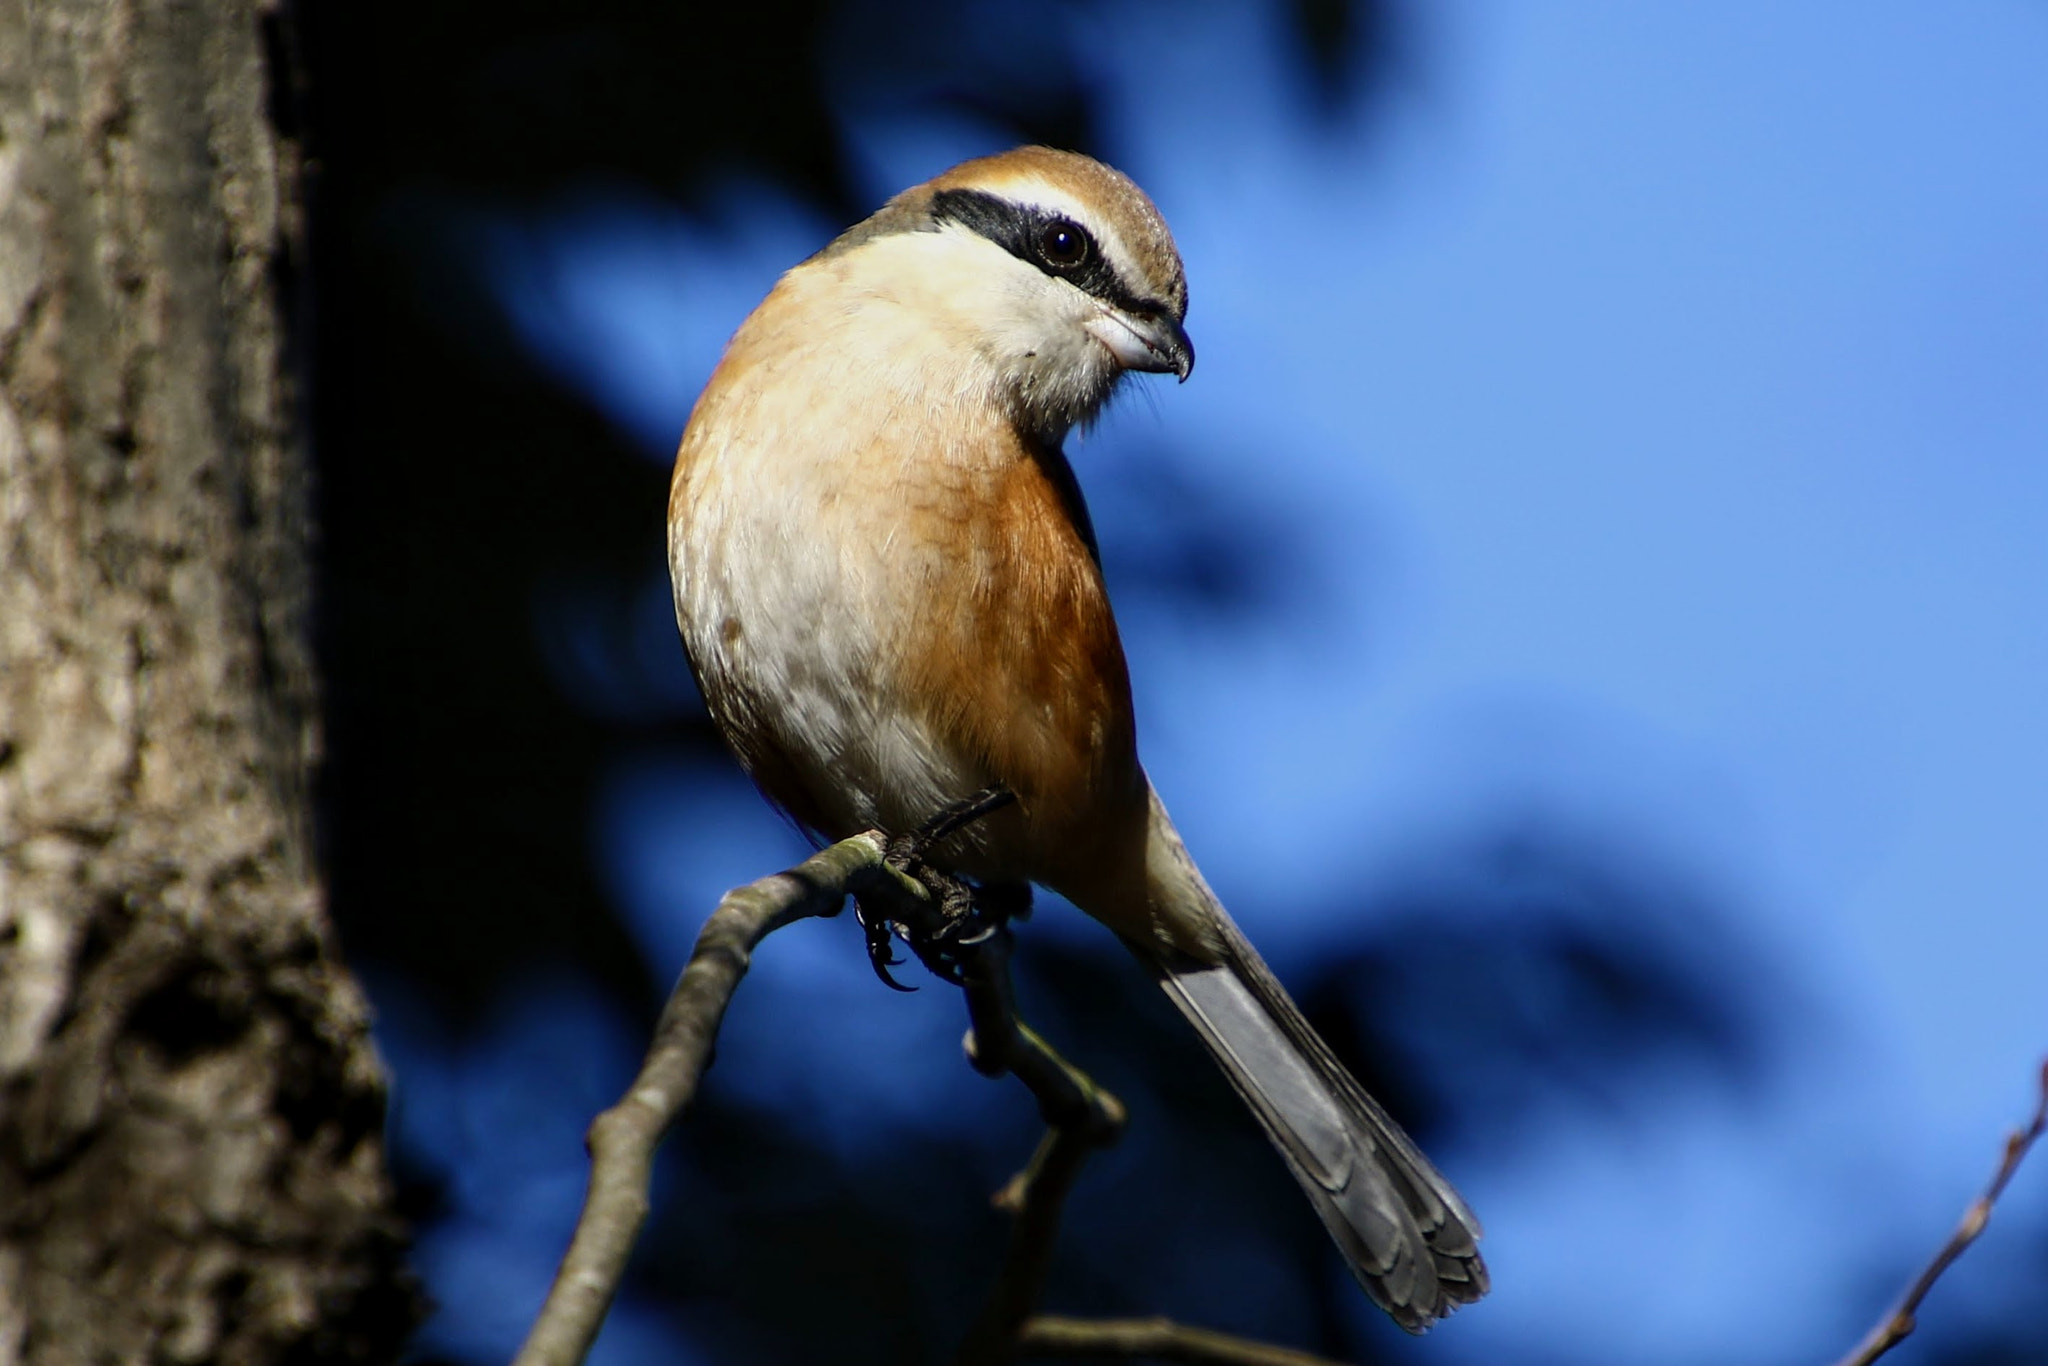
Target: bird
(891, 596)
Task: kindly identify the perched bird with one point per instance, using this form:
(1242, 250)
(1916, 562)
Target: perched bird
(889, 590)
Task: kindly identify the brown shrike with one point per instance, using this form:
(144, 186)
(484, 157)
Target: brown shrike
(889, 590)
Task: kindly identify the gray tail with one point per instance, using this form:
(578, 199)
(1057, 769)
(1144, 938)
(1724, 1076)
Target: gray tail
(1409, 1239)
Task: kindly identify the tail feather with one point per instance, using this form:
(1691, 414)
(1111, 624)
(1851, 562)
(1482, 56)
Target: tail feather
(1408, 1237)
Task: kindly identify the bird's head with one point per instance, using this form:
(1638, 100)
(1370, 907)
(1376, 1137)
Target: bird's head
(1053, 270)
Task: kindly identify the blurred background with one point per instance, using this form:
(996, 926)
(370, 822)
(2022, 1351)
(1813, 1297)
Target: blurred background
(1589, 616)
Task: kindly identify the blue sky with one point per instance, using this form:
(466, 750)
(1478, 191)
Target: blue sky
(1655, 403)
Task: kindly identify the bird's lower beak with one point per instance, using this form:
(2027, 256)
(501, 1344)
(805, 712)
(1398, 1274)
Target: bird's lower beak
(1153, 342)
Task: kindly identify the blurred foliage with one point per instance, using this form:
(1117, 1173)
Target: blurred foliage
(1541, 967)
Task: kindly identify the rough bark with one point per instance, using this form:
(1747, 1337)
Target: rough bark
(190, 1109)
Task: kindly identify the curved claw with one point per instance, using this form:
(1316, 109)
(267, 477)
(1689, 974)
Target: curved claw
(981, 935)
(880, 956)
(882, 966)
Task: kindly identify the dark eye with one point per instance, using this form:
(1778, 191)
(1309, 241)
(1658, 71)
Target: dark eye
(1063, 244)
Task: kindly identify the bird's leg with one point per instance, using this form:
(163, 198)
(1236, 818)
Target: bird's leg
(947, 821)
(961, 913)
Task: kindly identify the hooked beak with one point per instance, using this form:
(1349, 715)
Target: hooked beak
(1153, 342)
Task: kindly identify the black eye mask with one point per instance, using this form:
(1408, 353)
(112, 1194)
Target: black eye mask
(1055, 244)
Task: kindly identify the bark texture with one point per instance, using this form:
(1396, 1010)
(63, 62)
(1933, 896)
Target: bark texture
(190, 1109)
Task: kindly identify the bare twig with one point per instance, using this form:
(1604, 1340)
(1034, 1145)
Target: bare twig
(1160, 1339)
(623, 1139)
(1080, 1117)
(1895, 1326)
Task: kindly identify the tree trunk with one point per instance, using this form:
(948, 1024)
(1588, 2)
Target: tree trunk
(190, 1153)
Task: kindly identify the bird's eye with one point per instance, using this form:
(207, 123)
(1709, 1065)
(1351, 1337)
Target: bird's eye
(1063, 244)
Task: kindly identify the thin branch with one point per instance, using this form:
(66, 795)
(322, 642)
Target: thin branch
(1161, 1339)
(1895, 1326)
(1080, 1116)
(623, 1139)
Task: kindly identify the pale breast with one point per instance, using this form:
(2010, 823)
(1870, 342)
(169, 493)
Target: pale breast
(890, 605)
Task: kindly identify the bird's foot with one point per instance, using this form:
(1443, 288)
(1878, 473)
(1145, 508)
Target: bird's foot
(974, 913)
(960, 914)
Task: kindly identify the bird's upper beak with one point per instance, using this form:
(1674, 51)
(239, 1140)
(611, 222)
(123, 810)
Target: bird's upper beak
(1153, 342)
